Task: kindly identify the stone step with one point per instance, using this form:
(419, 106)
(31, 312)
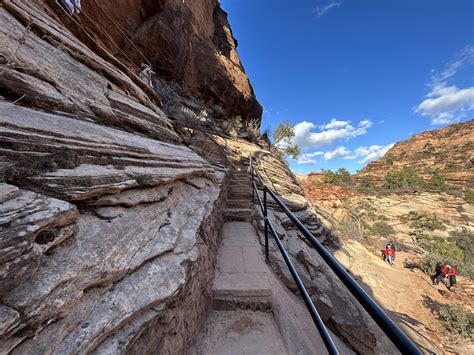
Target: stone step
(242, 188)
(238, 214)
(240, 181)
(246, 286)
(239, 195)
(245, 203)
(240, 332)
(246, 182)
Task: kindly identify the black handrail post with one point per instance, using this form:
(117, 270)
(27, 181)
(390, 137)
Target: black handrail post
(265, 216)
(225, 154)
(253, 179)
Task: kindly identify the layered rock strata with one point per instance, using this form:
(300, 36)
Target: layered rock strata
(30, 225)
(447, 151)
(108, 223)
(187, 42)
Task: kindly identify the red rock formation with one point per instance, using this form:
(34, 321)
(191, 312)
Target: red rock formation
(447, 150)
(187, 42)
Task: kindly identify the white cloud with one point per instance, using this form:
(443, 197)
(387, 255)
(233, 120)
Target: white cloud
(371, 153)
(306, 136)
(445, 103)
(339, 152)
(308, 158)
(465, 57)
(333, 124)
(364, 154)
(321, 10)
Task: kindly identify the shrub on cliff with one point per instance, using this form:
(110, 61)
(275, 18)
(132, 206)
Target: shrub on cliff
(469, 197)
(441, 247)
(437, 182)
(341, 177)
(216, 111)
(232, 126)
(366, 184)
(407, 178)
(439, 250)
(451, 165)
(423, 221)
(457, 319)
(252, 131)
(383, 229)
(184, 116)
(464, 239)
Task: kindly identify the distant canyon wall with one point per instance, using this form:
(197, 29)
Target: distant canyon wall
(447, 150)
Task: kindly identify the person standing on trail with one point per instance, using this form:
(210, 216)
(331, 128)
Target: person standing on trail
(70, 6)
(147, 74)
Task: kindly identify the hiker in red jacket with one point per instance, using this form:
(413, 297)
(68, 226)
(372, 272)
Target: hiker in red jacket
(448, 272)
(389, 250)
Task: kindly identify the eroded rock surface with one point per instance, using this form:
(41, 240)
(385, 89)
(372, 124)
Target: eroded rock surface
(108, 223)
(113, 271)
(49, 68)
(188, 42)
(77, 160)
(30, 224)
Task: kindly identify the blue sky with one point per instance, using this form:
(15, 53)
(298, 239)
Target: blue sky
(356, 76)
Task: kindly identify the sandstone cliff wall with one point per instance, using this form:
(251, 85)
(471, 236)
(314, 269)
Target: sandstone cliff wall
(187, 42)
(109, 225)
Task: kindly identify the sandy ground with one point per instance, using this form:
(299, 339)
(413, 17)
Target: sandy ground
(408, 295)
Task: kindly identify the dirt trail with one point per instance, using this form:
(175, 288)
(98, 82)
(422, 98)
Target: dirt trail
(408, 295)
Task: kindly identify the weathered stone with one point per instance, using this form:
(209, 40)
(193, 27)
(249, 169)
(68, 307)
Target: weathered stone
(85, 160)
(81, 83)
(9, 318)
(136, 276)
(30, 224)
(190, 43)
(136, 261)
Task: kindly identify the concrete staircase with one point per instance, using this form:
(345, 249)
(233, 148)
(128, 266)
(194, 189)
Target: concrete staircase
(239, 198)
(241, 280)
(241, 321)
(252, 312)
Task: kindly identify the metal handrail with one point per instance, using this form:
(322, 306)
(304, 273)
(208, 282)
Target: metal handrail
(395, 334)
